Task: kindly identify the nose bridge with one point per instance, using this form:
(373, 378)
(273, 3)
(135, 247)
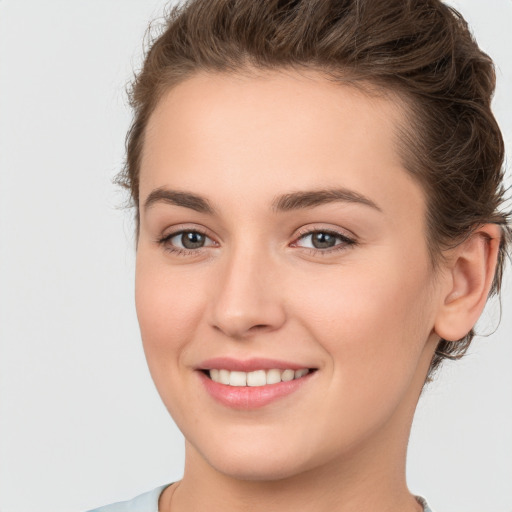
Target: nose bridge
(247, 297)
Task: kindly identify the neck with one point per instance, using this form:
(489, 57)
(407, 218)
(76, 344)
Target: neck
(372, 479)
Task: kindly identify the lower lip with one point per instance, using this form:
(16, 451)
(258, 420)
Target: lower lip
(248, 397)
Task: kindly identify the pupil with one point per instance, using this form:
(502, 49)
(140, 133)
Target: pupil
(323, 240)
(192, 240)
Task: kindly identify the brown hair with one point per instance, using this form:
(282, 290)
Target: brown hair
(421, 50)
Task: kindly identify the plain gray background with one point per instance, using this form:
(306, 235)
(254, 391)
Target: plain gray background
(80, 421)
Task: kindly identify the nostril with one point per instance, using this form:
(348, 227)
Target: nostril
(258, 327)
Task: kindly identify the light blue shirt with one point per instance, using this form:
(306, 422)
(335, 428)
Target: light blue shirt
(148, 502)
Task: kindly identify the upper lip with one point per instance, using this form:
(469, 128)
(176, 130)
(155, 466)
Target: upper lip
(248, 365)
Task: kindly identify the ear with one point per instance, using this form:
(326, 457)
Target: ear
(469, 277)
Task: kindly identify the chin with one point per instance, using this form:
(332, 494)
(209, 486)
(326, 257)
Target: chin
(262, 460)
(255, 469)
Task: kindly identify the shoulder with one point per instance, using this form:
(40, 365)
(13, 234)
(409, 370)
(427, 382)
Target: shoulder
(423, 502)
(147, 502)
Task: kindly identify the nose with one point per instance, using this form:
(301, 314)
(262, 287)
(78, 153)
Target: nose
(248, 296)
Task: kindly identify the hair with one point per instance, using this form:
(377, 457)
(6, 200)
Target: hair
(421, 51)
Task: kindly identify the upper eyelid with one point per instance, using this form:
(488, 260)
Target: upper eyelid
(177, 233)
(344, 233)
(341, 241)
(176, 230)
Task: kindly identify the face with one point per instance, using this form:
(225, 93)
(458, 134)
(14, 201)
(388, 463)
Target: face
(281, 238)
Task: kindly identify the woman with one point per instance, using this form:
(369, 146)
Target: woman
(317, 188)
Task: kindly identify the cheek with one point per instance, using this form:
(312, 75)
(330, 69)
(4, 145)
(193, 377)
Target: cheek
(373, 328)
(373, 321)
(169, 308)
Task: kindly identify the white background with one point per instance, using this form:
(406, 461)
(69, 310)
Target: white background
(80, 422)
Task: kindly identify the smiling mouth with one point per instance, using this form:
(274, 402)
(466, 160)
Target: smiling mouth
(256, 378)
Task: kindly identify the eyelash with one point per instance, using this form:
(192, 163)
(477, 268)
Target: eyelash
(178, 251)
(345, 242)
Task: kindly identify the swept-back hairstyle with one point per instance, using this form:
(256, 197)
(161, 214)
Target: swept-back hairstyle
(420, 51)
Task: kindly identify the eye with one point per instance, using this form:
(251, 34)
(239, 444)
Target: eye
(323, 240)
(188, 240)
(184, 241)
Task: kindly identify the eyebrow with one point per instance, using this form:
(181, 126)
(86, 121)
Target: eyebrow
(286, 202)
(310, 199)
(178, 198)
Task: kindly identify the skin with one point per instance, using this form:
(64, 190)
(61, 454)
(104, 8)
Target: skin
(367, 314)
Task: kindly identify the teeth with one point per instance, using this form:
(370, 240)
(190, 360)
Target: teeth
(223, 376)
(256, 378)
(237, 379)
(287, 375)
(273, 376)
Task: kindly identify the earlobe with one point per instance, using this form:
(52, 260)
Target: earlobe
(469, 277)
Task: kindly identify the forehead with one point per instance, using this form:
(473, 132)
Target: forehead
(287, 129)
(251, 103)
